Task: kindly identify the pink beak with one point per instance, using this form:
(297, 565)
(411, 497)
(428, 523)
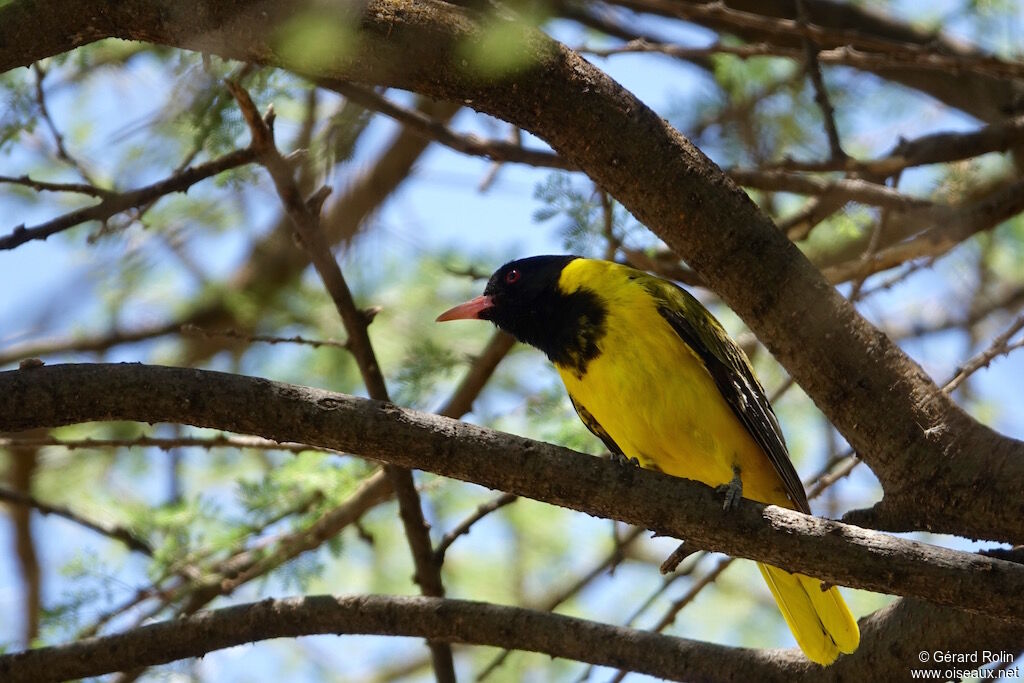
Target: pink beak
(470, 310)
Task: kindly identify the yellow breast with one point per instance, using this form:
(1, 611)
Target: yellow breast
(654, 397)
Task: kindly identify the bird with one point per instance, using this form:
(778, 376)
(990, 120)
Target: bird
(655, 376)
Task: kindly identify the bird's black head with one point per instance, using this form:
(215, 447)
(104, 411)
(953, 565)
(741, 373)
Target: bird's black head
(522, 292)
(524, 299)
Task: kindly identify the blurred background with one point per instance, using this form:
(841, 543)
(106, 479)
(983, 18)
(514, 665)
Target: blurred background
(160, 520)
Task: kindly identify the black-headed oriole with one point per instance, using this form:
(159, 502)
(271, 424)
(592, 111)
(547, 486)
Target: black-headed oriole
(655, 376)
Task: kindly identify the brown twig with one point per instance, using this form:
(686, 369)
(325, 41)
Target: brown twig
(22, 467)
(612, 242)
(847, 189)
(817, 80)
(946, 227)
(845, 55)
(480, 371)
(166, 444)
(681, 602)
(1008, 300)
(140, 596)
(869, 254)
(463, 527)
(825, 36)
(43, 186)
(95, 344)
(248, 565)
(116, 203)
(114, 531)
(187, 576)
(1000, 346)
(195, 330)
(58, 137)
(430, 129)
(935, 148)
(515, 137)
(688, 597)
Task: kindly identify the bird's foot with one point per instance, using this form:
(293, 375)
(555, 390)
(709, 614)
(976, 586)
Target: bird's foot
(623, 461)
(732, 491)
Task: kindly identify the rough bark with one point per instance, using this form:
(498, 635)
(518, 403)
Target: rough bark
(454, 621)
(843, 554)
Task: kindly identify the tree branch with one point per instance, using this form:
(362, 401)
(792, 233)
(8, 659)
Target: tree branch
(835, 552)
(437, 131)
(85, 344)
(23, 465)
(442, 620)
(112, 204)
(874, 39)
(43, 186)
(821, 97)
(116, 531)
(890, 639)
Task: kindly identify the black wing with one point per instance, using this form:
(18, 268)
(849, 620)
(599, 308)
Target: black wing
(594, 426)
(733, 376)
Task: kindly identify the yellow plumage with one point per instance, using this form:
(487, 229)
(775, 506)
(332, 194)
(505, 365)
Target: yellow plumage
(653, 396)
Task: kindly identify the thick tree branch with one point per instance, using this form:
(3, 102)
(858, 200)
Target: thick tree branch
(836, 25)
(453, 621)
(897, 59)
(834, 552)
(910, 625)
(890, 639)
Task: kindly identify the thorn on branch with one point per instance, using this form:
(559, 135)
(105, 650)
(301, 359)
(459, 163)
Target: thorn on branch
(682, 551)
(316, 200)
(295, 157)
(370, 313)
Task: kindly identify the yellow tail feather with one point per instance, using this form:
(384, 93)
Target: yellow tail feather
(820, 620)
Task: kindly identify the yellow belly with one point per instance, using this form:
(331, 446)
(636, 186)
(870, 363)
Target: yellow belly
(669, 414)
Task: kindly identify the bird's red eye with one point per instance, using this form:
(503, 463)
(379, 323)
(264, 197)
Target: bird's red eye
(512, 277)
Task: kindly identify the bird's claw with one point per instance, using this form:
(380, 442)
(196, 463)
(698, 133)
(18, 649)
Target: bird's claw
(732, 491)
(623, 461)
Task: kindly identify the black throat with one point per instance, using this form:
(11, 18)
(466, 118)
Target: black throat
(566, 327)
